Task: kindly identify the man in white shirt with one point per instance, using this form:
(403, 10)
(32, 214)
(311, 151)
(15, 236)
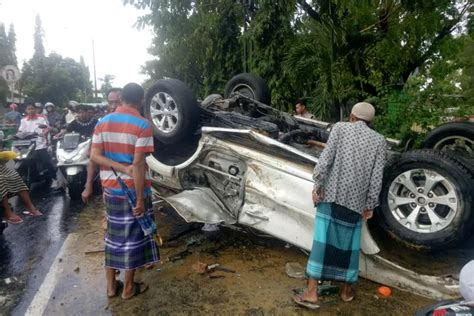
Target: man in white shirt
(31, 123)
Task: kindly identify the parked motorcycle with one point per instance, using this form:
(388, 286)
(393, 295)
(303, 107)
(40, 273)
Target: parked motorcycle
(30, 168)
(72, 154)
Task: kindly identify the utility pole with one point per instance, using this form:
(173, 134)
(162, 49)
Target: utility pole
(95, 77)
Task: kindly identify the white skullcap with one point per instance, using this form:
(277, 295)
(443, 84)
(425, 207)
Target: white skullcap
(364, 111)
(466, 281)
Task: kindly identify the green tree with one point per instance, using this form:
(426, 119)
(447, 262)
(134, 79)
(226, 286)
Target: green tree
(60, 79)
(271, 35)
(12, 45)
(4, 47)
(195, 41)
(106, 83)
(38, 39)
(334, 52)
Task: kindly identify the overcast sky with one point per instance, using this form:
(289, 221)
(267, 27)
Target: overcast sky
(71, 25)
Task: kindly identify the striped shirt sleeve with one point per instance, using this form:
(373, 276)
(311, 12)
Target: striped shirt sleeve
(144, 142)
(97, 138)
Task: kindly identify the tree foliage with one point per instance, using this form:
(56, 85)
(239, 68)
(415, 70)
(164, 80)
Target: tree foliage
(7, 57)
(106, 83)
(53, 78)
(38, 39)
(411, 58)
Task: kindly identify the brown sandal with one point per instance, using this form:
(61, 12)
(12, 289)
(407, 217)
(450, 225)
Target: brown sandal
(14, 220)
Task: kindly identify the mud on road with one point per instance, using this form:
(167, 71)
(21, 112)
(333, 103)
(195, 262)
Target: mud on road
(260, 285)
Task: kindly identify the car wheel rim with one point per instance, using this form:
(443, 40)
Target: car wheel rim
(164, 112)
(244, 89)
(457, 144)
(423, 201)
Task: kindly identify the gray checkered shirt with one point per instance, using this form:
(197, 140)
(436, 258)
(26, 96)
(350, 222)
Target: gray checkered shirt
(350, 169)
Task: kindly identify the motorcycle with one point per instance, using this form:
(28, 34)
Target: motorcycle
(72, 154)
(30, 168)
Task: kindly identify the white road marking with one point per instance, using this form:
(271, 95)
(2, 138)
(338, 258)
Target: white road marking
(41, 299)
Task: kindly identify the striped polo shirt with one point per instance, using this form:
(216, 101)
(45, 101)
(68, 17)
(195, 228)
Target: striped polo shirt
(120, 135)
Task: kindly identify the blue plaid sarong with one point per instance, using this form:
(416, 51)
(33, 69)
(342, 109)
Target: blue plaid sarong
(126, 247)
(336, 244)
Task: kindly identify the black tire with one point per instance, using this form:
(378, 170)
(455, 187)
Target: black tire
(48, 181)
(453, 173)
(75, 186)
(184, 104)
(249, 85)
(442, 137)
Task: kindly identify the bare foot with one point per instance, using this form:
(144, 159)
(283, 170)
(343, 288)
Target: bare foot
(14, 219)
(310, 297)
(137, 288)
(347, 293)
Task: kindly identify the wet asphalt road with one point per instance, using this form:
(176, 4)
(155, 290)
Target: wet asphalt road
(27, 250)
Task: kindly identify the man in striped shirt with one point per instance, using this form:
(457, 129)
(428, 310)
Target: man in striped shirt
(122, 140)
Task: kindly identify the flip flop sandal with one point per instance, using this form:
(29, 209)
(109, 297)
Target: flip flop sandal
(118, 289)
(347, 299)
(14, 220)
(37, 213)
(149, 266)
(139, 288)
(298, 299)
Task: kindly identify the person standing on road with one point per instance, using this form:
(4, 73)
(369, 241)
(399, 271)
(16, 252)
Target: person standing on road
(348, 180)
(122, 140)
(31, 124)
(114, 101)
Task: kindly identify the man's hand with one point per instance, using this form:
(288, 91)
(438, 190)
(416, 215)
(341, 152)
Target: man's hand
(129, 170)
(317, 195)
(367, 214)
(86, 194)
(139, 210)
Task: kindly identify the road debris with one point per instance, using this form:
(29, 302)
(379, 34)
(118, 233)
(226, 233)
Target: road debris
(203, 268)
(179, 255)
(384, 291)
(93, 251)
(295, 270)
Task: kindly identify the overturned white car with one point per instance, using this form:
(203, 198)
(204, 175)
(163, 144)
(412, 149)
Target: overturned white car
(236, 160)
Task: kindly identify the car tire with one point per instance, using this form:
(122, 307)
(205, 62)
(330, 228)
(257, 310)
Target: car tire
(249, 85)
(445, 136)
(173, 110)
(75, 186)
(454, 183)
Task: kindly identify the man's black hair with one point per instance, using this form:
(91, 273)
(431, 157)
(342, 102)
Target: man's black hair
(119, 90)
(132, 93)
(301, 101)
(80, 107)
